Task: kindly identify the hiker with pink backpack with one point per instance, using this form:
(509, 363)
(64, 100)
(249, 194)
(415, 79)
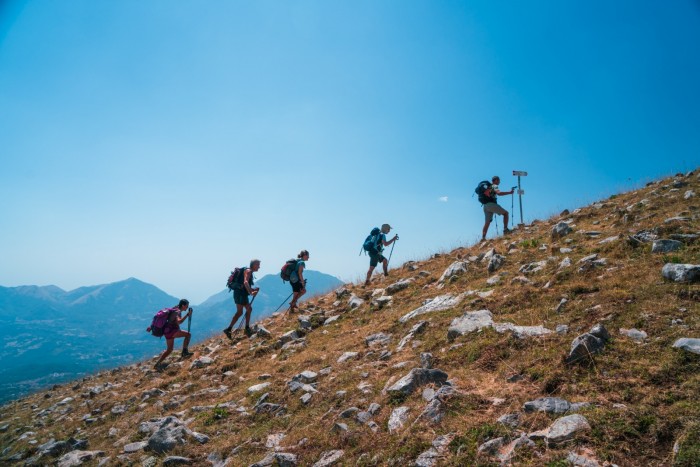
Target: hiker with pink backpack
(167, 323)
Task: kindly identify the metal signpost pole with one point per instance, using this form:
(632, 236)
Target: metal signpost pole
(521, 192)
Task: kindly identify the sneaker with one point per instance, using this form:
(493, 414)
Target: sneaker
(227, 331)
(159, 367)
(186, 354)
(248, 331)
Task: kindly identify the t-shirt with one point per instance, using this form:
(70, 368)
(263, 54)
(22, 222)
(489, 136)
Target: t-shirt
(380, 242)
(494, 197)
(294, 276)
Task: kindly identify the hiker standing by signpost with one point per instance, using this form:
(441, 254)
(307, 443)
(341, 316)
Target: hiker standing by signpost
(374, 245)
(172, 331)
(296, 279)
(241, 282)
(488, 193)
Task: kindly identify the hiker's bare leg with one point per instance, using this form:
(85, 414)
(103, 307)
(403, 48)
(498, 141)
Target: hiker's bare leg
(505, 220)
(485, 230)
(248, 311)
(369, 274)
(169, 349)
(385, 265)
(239, 312)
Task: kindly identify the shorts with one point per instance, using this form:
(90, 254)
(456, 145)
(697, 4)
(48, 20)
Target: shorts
(297, 286)
(375, 259)
(493, 208)
(170, 332)
(240, 297)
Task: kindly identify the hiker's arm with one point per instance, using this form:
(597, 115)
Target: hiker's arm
(301, 276)
(503, 193)
(387, 243)
(182, 319)
(246, 282)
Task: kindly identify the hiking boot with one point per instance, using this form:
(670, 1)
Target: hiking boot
(227, 331)
(506, 231)
(186, 354)
(248, 332)
(159, 367)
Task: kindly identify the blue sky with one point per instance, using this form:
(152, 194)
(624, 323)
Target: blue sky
(173, 140)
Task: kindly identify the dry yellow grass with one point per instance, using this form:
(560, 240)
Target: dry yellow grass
(658, 385)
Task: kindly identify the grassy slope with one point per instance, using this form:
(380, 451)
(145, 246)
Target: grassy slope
(658, 385)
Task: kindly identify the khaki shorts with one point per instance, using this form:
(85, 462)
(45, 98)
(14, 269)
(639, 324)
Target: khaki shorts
(493, 208)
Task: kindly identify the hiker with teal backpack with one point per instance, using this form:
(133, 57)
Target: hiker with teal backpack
(293, 271)
(374, 246)
(170, 328)
(241, 282)
(488, 193)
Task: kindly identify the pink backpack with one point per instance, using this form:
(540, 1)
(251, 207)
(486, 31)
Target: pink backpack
(160, 321)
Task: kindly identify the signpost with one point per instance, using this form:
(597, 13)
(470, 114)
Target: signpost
(521, 192)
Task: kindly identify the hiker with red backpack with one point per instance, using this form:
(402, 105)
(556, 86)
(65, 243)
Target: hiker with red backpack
(171, 329)
(241, 282)
(487, 192)
(374, 246)
(295, 269)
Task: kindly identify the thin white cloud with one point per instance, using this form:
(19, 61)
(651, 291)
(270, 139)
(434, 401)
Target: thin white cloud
(443, 199)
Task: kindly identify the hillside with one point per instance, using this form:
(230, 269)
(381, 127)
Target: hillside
(470, 357)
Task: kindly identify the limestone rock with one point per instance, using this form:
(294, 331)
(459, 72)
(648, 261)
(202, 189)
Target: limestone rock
(398, 419)
(416, 329)
(561, 229)
(495, 263)
(634, 334)
(688, 344)
(455, 269)
(681, 272)
(78, 457)
(665, 246)
(398, 286)
(562, 430)
(439, 303)
(329, 458)
(469, 322)
(415, 378)
(347, 356)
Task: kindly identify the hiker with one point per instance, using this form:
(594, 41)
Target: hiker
(378, 242)
(487, 197)
(241, 291)
(296, 279)
(172, 331)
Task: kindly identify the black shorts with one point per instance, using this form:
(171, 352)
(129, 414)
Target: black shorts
(297, 286)
(240, 297)
(375, 259)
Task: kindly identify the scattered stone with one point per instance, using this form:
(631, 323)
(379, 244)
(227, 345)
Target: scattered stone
(677, 219)
(560, 307)
(437, 452)
(439, 303)
(562, 430)
(416, 329)
(561, 329)
(78, 457)
(201, 362)
(339, 428)
(547, 405)
(306, 377)
(329, 458)
(588, 344)
(634, 334)
(135, 447)
(278, 459)
(347, 356)
(689, 194)
(495, 263)
(258, 387)
(688, 344)
(681, 272)
(503, 449)
(379, 339)
(532, 268)
(521, 332)
(565, 263)
(561, 229)
(583, 458)
(665, 246)
(426, 360)
(511, 420)
(355, 301)
(398, 286)
(331, 319)
(306, 398)
(397, 419)
(415, 378)
(469, 322)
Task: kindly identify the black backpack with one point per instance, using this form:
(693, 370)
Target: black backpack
(287, 269)
(371, 244)
(235, 280)
(481, 192)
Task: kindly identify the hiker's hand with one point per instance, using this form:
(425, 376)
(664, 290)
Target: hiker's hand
(255, 292)
(396, 237)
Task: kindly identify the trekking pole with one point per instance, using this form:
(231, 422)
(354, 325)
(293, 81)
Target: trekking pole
(189, 321)
(511, 205)
(283, 302)
(495, 218)
(391, 252)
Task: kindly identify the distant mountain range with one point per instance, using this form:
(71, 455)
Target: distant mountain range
(48, 335)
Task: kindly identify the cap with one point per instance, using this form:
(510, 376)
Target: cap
(386, 228)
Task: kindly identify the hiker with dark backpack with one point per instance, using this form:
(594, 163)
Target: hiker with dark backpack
(487, 193)
(241, 282)
(374, 246)
(293, 271)
(171, 330)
